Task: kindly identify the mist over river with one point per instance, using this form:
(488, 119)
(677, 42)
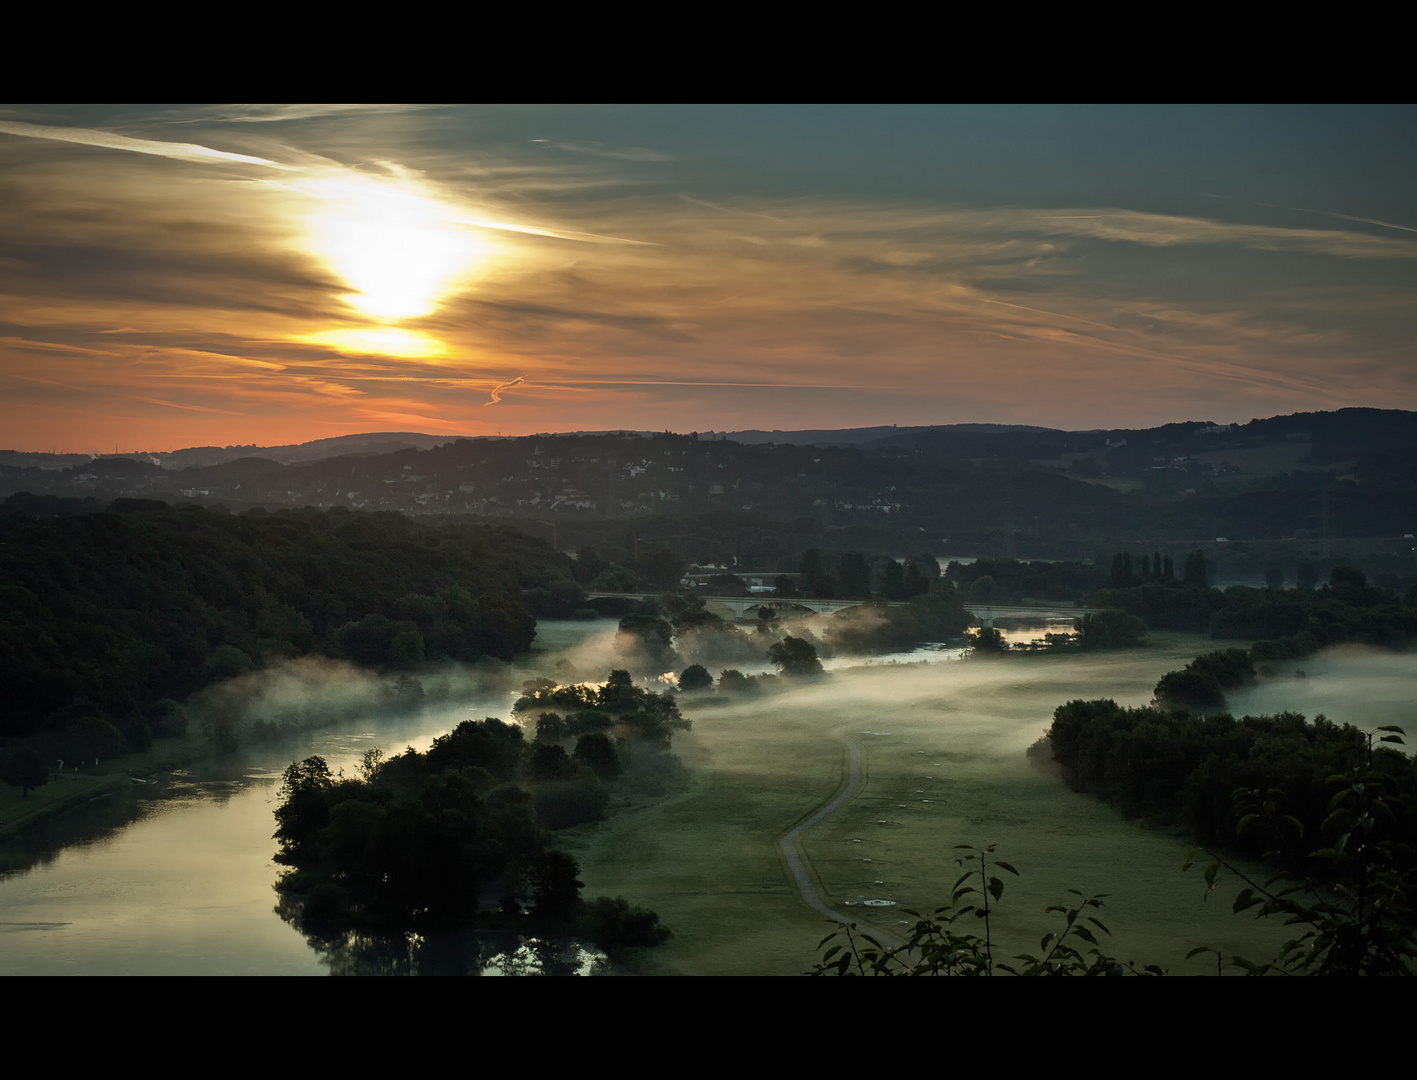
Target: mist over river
(176, 877)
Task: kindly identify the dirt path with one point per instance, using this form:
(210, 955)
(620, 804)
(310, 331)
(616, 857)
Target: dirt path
(796, 860)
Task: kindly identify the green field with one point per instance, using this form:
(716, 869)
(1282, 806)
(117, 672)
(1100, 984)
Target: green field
(943, 749)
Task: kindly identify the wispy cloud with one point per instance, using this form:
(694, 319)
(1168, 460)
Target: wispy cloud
(1164, 230)
(633, 283)
(595, 149)
(110, 141)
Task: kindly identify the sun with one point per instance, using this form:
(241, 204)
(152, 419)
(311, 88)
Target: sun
(400, 250)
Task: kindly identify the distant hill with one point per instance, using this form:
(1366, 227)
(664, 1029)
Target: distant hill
(857, 436)
(1270, 494)
(384, 442)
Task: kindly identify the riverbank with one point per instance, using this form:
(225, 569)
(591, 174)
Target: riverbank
(74, 787)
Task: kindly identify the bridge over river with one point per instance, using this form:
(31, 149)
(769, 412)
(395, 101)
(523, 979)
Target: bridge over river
(986, 613)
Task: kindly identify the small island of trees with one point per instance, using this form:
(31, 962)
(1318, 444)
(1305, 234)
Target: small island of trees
(458, 835)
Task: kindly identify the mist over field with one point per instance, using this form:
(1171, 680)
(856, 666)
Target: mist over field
(341, 428)
(1349, 684)
(943, 746)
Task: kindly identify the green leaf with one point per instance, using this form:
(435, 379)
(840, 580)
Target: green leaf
(1006, 866)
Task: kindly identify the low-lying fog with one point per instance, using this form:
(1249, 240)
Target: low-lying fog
(178, 877)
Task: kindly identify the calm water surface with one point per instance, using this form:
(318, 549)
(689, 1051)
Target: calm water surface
(173, 878)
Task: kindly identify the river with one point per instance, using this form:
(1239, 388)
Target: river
(177, 877)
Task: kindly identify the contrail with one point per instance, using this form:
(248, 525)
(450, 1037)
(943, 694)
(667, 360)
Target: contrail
(108, 140)
(497, 390)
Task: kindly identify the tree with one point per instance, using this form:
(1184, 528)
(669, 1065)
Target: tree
(812, 572)
(616, 926)
(1110, 629)
(988, 641)
(304, 809)
(596, 751)
(547, 762)
(25, 769)
(1358, 918)
(660, 569)
(695, 677)
(554, 884)
(733, 681)
(1195, 571)
(647, 639)
(983, 590)
(854, 575)
(795, 657)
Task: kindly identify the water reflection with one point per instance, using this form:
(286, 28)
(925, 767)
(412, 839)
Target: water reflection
(466, 952)
(99, 820)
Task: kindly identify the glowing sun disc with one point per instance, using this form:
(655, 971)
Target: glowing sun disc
(400, 250)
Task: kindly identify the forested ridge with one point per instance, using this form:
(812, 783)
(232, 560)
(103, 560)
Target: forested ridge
(106, 614)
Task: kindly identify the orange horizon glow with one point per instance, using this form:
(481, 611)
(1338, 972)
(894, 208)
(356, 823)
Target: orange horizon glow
(184, 278)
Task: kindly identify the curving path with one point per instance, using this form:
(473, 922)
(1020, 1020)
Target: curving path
(794, 858)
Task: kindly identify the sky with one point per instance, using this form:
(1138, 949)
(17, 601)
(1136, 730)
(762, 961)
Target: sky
(176, 276)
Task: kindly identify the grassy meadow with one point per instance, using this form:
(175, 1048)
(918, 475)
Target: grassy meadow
(944, 763)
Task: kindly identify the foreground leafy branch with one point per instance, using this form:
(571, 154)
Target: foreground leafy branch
(1354, 918)
(943, 944)
(1358, 919)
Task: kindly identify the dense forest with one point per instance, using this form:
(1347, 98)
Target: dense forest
(106, 614)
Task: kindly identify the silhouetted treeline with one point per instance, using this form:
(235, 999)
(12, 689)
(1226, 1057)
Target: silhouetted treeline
(1009, 581)
(106, 614)
(1285, 623)
(1175, 766)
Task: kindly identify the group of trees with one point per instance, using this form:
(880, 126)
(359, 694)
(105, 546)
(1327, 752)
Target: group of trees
(1292, 622)
(1202, 683)
(445, 837)
(618, 707)
(854, 576)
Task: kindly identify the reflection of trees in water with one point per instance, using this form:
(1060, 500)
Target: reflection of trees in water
(454, 952)
(100, 818)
